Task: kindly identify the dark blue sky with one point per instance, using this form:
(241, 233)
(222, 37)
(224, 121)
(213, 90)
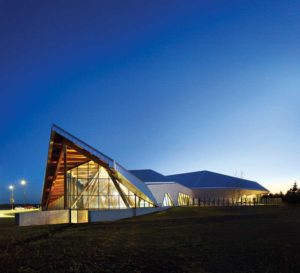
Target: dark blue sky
(171, 85)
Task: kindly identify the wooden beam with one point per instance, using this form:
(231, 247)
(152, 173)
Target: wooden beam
(65, 177)
(87, 154)
(60, 158)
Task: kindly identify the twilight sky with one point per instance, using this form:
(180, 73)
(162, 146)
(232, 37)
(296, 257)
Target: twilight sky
(175, 86)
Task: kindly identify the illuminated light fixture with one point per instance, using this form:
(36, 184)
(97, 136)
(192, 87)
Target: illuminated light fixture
(23, 182)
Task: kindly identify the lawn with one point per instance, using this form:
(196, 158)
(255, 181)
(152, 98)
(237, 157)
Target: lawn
(233, 239)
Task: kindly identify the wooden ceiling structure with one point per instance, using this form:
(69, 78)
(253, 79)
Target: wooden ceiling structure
(67, 152)
(63, 155)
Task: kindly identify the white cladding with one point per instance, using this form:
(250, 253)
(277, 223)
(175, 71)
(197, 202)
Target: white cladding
(159, 189)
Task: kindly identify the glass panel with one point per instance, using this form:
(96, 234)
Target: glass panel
(183, 199)
(90, 186)
(167, 202)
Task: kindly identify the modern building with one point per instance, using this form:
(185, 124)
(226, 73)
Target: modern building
(80, 177)
(83, 185)
(202, 187)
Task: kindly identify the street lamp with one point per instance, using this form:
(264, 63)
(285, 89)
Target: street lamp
(12, 200)
(23, 184)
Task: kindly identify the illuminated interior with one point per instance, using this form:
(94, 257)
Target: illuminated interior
(167, 202)
(76, 179)
(91, 187)
(184, 199)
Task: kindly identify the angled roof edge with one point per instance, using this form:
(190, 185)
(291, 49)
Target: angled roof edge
(229, 188)
(257, 185)
(50, 147)
(83, 145)
(210, 172)
(138, 183)
(149, 175)
(163, 182)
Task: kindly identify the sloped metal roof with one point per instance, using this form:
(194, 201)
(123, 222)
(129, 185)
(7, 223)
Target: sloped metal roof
(149, 175)
(200, 179)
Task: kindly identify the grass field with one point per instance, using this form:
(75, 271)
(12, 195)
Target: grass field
(242, 239)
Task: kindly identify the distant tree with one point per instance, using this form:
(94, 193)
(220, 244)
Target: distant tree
(274, 195)
(294, 188)
(293, 195)
(281, 194)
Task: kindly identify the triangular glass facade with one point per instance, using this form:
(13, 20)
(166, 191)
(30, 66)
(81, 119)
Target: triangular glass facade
(77, 179)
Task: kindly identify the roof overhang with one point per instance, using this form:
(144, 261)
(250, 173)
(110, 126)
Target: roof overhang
(81, 153)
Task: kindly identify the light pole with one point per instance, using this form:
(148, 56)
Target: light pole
(23, 184)
(12, 200)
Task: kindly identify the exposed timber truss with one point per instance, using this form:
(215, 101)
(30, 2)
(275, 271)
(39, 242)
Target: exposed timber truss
(80, 177)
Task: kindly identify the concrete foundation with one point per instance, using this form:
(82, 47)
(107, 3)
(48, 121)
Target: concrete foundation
(78, 216)
(118, 214)
(43, 218)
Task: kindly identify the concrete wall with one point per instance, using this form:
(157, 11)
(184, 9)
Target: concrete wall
(43, 218)
(143, 211)
(81, 216)
(117, 214)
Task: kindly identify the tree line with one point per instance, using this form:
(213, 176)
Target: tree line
(292, 196)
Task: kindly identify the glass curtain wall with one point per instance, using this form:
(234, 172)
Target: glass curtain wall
(89, 186)
(167, 202)
(184, 199)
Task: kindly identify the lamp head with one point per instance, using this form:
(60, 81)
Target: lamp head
(23, 182)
